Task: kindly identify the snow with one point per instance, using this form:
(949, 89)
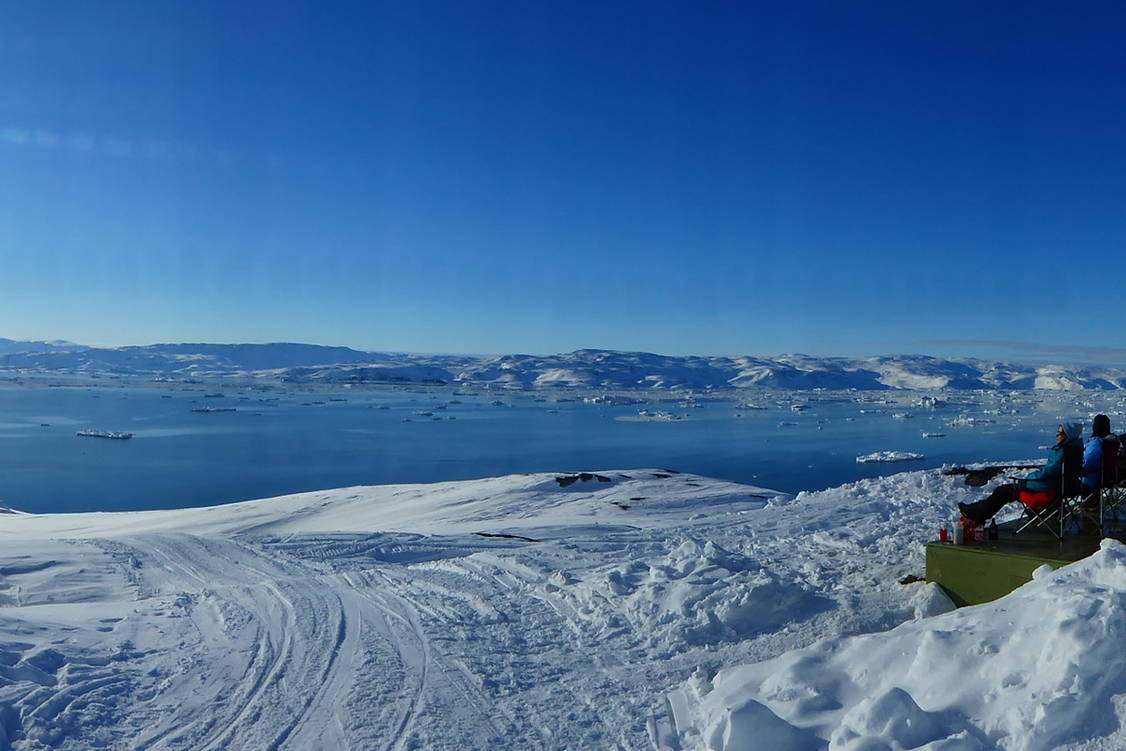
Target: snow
(618, 609)
(1036, 670)
(888, 456)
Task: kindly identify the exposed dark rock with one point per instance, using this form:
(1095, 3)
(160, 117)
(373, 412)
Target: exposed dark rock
(507, 537)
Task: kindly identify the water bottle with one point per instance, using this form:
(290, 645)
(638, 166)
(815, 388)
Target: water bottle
(960, 532)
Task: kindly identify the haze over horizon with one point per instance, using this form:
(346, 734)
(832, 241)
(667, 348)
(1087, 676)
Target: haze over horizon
(481, 177)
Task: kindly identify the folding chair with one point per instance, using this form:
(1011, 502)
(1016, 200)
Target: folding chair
(1112, 491)
(1112, 502)
(1065, 513)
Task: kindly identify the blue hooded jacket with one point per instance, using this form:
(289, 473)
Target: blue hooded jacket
(1068, 453)
(1094, 456)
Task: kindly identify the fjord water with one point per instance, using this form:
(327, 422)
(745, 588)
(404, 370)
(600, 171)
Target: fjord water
(180, 458)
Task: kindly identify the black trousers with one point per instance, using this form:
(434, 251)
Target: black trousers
(983, 510)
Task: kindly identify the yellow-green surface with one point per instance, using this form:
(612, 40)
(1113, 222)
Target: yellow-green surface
(973, 574)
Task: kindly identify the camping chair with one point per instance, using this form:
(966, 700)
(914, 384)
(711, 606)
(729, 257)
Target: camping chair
(1065, 512)
(1112, 493)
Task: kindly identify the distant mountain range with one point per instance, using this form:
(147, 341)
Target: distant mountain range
(10, 346)
(583, 369)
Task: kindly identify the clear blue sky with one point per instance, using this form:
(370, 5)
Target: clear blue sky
(692, 177)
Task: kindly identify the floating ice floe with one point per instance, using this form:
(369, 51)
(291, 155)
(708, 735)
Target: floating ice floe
(888, 456)
(966, 421)
(934, 435)
(646, 415)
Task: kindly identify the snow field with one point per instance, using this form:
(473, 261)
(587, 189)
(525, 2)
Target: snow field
(656, 610)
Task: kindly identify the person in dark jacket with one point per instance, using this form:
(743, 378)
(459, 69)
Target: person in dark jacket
(1042, 487)
(1100, 456)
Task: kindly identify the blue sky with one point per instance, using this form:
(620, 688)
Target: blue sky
(735, 177)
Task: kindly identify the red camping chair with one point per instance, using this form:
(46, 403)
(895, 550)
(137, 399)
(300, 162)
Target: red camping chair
(1056, 511)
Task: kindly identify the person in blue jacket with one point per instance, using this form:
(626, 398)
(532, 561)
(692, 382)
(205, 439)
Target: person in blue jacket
(1100, 456)
(1042, 487)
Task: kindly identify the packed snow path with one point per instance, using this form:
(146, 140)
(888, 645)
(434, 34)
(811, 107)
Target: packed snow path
(509, 613)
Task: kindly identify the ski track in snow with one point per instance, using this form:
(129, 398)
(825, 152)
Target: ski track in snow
(291, 638)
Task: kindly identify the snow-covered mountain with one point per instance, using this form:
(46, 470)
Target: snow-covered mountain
(635, 609)
(589, 369)
(11, 346)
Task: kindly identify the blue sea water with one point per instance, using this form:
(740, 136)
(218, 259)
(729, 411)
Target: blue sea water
(179, 458)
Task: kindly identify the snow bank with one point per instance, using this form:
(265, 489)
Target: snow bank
(651, 497)
(1032, 671)
(700, 593)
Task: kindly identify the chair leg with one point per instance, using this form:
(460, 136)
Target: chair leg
(1045, 520)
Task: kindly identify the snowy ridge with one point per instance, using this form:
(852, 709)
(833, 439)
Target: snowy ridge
(633, 609)
(587, 369)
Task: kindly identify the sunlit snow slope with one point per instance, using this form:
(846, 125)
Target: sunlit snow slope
(635, 609)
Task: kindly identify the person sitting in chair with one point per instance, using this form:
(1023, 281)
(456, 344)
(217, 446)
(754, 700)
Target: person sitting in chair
(1100, 457)
(1042, 487)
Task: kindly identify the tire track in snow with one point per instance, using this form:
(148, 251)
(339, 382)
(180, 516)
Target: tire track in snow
(398, 611)
(489, 657)
(282, 656)
(311, 728)
(446, 700)
(249, 714)
(528, 611)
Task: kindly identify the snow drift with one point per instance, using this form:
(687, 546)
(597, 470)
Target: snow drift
(1035, 670)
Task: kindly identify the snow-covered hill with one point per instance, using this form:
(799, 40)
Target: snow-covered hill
(587, 369)
(636, 609)
(11, 346)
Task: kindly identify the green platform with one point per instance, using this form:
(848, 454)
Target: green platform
(973, 574)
